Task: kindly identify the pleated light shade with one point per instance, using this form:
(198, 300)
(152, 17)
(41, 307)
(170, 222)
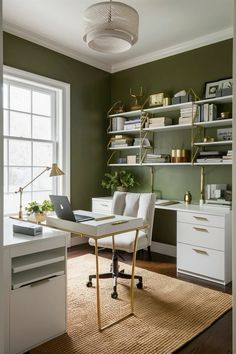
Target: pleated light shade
(111, 27)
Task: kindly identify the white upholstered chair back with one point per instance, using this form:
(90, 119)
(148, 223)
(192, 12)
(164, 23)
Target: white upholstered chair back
(140, 205)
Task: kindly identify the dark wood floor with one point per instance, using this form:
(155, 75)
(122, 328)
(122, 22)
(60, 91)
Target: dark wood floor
(218, 338)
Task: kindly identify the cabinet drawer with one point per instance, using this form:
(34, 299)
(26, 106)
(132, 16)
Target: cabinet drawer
(201, 219)
(203, 236)
(37, 313)
(102, 206)
(200, 261)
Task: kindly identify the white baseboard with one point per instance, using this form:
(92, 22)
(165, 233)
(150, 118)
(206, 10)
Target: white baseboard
(163, 248)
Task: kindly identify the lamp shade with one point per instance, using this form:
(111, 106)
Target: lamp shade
(55, 171)
(111, 27)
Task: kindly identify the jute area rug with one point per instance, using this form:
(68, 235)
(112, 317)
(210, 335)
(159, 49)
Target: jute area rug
(169, 313)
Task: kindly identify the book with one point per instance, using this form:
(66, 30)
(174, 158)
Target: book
(183, 120)
(212, 112)
(212, 153)
(206, 112)
(160, 120)
(218, 201)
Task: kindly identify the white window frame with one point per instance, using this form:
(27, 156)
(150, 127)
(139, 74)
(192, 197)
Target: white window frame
(62, 92)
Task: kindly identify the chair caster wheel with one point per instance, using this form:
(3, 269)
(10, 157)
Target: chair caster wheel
(139, 285)
(114, 295)
(89, 284)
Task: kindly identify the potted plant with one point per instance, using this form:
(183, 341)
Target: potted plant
(37, 212)
(119, 180)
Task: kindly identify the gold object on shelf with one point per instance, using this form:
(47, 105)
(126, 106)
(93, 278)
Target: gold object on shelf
(224, 115)
(137, 98)
(187, 197)
(208, 139)
(55, 171)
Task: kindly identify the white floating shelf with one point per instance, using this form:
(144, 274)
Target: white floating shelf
(130, 147)
(123, 132)
(33, 275)
(213, 163)
(222, 99)
(169, 128)
(215, 123)
(124, 164)
(126, 114)
(214, 143)
(35, 260)
(169, 108)
(167, 164)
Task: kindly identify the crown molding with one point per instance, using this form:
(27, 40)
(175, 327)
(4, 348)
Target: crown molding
(113, 68)
(173, 50)
(32, 37)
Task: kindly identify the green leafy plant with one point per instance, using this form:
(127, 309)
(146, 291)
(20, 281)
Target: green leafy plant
(119, 179)
(36, 208)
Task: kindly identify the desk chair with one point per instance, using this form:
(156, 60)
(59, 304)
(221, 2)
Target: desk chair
(130, 204)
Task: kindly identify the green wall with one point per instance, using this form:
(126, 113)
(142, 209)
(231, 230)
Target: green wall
(90, 100)
(93, 91)
(170, 75)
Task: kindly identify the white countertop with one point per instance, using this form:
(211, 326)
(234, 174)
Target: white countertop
(196, 208)
(12, 239)
(181, 206)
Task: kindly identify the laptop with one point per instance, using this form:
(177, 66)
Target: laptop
(64, 211)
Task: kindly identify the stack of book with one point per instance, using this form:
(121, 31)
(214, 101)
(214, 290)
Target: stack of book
(218, 194)
(187, 114)
(157, 122)
(210, 156)
(121, 141)
(208, 113)
(228, 156)
(154, 158)
(132, 124)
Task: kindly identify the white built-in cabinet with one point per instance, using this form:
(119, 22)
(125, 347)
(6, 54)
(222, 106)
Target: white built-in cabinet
(35, 288)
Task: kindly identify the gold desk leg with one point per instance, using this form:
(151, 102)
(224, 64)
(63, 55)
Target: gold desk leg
(133, 270)
(97, 288)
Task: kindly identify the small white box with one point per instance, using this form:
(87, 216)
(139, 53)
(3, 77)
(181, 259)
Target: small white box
(131, 159)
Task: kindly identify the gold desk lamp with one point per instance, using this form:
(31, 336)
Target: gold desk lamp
(55, 171)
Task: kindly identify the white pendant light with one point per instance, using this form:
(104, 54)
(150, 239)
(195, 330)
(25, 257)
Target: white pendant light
(111, 27)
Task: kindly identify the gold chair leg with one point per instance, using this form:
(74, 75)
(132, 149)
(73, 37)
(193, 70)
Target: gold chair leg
(133, 270)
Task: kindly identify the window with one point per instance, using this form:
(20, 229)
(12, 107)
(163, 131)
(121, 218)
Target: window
(33, 139)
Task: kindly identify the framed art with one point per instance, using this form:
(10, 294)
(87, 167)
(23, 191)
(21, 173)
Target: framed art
(212, 87)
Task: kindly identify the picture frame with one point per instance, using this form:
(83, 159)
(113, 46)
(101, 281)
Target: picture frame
(156, 99)
(213, 86)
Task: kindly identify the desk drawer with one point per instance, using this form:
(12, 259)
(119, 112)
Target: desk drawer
(201, 219)
(200, 261)
(37, 313)
(203, 236)
(101, 206)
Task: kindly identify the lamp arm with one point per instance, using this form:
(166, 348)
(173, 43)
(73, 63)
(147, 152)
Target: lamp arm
(22, 188)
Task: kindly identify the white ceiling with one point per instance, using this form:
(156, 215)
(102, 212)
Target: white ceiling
(166, 27)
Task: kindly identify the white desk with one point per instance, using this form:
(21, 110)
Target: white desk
(204, 238)
(97, 230)
(34, 287)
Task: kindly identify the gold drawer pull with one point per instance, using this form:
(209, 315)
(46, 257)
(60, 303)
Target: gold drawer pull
(200, 251)
(200, 218)
(201, 229)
